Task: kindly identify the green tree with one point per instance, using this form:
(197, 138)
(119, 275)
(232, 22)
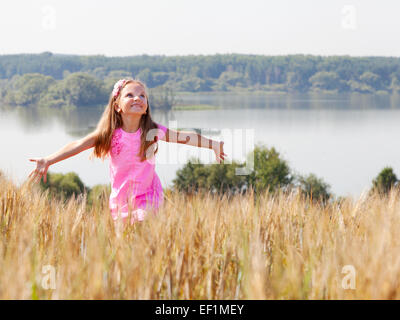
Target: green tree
(394, 84)
(63, 186)
(313, 187)
(357, 86)
(146, 76)
(77, 89)
(222, 178)
(160, 78)
(27, 89)
(371, 79)
(385, 181)
(83, 90)
(270, 171)
(215, 178)
(191, 178)
(98, 194)
(162, 98)
(119, 74)
(99, 73)
(192, 83)
(231, 78)
(219, 72)
(55, 97)
(325, 80)
(293, 81)
(112, 77)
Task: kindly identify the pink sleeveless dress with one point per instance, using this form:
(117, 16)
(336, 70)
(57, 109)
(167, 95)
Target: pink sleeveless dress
(135, 186)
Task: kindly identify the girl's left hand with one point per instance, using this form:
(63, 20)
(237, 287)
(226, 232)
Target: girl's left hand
(218, 148)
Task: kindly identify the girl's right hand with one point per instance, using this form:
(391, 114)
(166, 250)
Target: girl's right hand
(42, 165)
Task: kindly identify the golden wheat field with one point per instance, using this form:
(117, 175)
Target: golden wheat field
(200, 247)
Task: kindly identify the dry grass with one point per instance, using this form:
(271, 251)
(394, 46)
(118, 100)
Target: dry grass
(200, 247)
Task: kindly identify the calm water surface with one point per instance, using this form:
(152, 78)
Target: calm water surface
(344, 139)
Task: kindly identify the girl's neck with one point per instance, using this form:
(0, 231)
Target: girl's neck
(131, 123)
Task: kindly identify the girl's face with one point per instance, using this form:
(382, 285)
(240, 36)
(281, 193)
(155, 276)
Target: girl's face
(133, 100)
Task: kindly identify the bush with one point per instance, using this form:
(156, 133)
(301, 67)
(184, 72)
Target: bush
(325, 80)
(27, 89)
(222, 179)
(98, 194)
(194, 84)
(63, 186)
(270, 172)
(55, 97)
(83, 90)
(77, 89)
(385, 181)
(314, 188)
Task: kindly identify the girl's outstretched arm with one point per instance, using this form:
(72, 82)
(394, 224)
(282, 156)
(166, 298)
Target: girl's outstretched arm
(196, 140)
(69, 150)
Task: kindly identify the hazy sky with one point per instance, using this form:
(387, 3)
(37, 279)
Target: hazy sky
(178, 27)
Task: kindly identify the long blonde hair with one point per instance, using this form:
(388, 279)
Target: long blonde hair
(112, 120)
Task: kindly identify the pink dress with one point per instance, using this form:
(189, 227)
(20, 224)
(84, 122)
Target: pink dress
(135, 186)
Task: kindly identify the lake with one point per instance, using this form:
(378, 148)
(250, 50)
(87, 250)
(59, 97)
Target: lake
(344, 139)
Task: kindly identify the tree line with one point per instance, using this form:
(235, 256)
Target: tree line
(271, 173)
(77, 89)
(221, 72)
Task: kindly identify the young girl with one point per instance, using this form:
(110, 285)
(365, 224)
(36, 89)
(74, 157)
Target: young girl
(127, 135)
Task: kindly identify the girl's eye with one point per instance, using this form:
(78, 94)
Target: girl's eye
(142, 95)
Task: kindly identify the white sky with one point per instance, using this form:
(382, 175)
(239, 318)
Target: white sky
(178, 27)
